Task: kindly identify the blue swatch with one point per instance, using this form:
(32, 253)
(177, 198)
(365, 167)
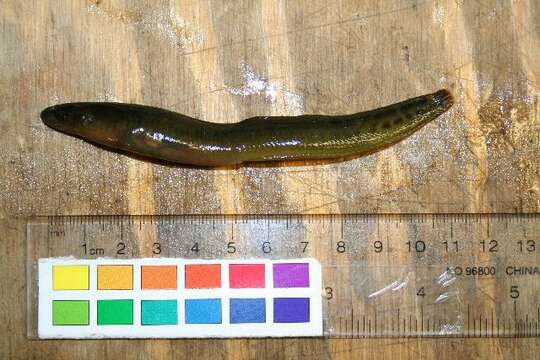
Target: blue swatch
(159, 312)
(244, 311)
(203, 311)
(291, 310)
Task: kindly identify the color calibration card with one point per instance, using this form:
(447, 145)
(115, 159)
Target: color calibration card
(178, 298)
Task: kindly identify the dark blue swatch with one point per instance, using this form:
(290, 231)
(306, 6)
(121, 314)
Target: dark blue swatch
(203, 311)
(243, 311)
(291, 310)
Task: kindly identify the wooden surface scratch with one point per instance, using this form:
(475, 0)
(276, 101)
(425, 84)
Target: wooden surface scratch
(225, 61)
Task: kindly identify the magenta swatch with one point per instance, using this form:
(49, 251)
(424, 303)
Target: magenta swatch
(291, 275)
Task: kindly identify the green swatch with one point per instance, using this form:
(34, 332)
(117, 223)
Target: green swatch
(115, 312)
(70, 312)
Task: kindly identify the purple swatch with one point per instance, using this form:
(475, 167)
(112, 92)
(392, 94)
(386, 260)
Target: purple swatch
(291, 275)
(291, 310)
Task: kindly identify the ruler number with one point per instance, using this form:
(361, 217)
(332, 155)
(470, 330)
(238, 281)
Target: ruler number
(121, 248)
(491, 246)
(418, 246)
(421, 292)
(514, 291)
(527, 246)
(451, 246)
(156, 248)
(304, 245)
(266, 248)
(329, 293)
(340, 248)
(231, 248)
(378, 246)
(195, 247)
(92, 251)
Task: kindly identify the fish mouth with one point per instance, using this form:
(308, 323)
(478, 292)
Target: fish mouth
(59, 118)
(66, 118)
(51, 117)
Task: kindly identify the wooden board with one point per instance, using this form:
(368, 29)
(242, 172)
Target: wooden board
(224, 61)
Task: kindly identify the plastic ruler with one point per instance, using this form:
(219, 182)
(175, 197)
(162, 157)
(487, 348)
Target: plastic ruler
(394, 275)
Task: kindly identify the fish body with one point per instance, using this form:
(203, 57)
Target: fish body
(165, 135)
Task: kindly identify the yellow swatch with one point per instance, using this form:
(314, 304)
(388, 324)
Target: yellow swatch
(115, 277)
(70, 277)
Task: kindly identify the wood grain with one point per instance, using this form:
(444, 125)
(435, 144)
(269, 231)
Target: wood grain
(224, 61)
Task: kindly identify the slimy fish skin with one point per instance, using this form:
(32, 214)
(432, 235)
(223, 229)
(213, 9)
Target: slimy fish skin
(172, 137)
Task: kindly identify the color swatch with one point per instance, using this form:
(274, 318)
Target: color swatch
(248, 311)
(178, 298)
(203, 311)
(159, 312)
(246, 276)
(115, 312)
(115, 277)
(70, 312)
(287, 275)
(158, 277)
(203, 276)
(70, 277)
(291, 310)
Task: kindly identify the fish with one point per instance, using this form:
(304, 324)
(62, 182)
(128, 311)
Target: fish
(159, 134)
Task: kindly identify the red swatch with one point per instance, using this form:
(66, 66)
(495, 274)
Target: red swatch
(246, 276)
(201, 276)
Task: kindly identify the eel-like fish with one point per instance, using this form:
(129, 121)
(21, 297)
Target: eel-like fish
(165, 135)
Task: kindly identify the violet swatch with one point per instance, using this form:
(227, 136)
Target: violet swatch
(291, 310)
(291, 275)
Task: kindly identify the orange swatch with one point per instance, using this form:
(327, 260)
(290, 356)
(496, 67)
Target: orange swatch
(158, 277)
(115, 277)
(203, 276)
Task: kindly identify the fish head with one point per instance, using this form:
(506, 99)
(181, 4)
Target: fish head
(95, 122)
(428, 107)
